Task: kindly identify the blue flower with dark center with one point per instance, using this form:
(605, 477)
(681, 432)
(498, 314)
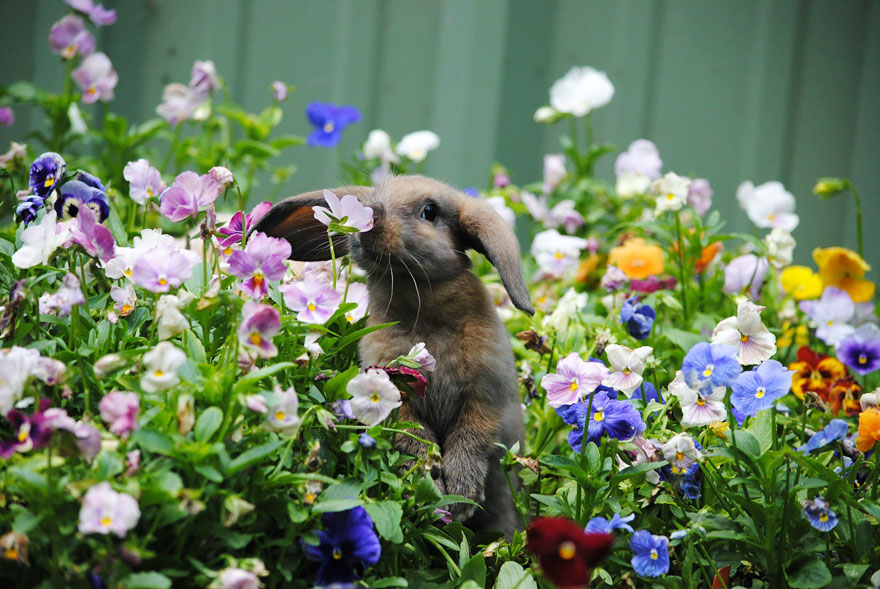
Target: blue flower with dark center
(650, 554)
(46, 171)
(818, 514)
(759, 389)
(616, 419)
(27, 208)
(348, 544)
(714, 363)
(861, 352)
(76, 194)
(639, 319)
(835, 430)
(600, 525)
(329, 121)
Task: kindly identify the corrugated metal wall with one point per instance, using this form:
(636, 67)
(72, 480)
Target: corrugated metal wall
(733, 90)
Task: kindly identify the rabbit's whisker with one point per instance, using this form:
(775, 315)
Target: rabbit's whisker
(418, 295)
(427, 278)
(391, 296)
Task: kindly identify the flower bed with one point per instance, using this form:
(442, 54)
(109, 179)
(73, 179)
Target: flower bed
(184, 406)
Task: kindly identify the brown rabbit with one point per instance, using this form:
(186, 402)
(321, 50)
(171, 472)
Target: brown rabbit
(419, 276)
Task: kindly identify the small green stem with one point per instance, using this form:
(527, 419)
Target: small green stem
(584, 442)
(332, 258)
(522, 516)
(681, 269)
(859, 238)
(445, 554)
(84, 286)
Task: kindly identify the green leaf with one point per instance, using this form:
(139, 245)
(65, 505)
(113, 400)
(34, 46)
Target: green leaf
(256, 148)
(252, 456)
(356, 335)
(475, 570)
(513, 575)
(386, 517)
(153, 441)
(389, 582)
(631, 471)
(207, 423)
(761, 427)
(334, 385)
(746, 443)
(257, 375)
(683, 339)
(810, 574)
(209, 472)
(151, 580)
(336, 505)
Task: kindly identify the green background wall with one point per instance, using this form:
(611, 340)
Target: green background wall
(734, 90)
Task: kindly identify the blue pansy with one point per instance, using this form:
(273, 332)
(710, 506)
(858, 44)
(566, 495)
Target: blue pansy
(616, 419)
(46, 171)
(600, 525)
(639, 319)
(27, 209)
(329, 121)
(759, 389)
(76, 194)
(648, 392)
(366, 440)
(348, 544)
(712, 363)
(818, 514)
(834, 431)
(650, 554)
(691, 484)
(471, 191)
(90, 180)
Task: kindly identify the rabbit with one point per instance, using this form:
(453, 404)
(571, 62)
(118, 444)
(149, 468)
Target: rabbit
(418, 275)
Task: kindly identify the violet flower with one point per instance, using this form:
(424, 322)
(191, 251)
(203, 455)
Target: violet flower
(259, 325)
(608, 417)
(125, 299)
(189, 194)
(96, 78)
(833, 314)
(861, 350)
(94, 238)
(75, 195)
(30, 431)
(746, 274)
(204, 77)
(86, 436)
(639, 319)
(104, 511)
(7, 116)
(329, 121)
(574, 380)
(652, 284)
(144, 180)
(158, 273)
(759, 389)
(62, 301)
(259, 263)
(120, 411)
(69, 37)
(346, 215)
(637, 167)
(96, 12)
(700, 195)
(240, 224)
(222, 176)
(27, 209)
(46, 171)
(313, 300)
(179, 103)
(279, 91)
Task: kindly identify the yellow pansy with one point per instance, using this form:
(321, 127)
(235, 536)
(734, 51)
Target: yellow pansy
(844, 269)
(799, 336)
(801, 282)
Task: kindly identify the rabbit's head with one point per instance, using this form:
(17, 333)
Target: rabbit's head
(420, 225)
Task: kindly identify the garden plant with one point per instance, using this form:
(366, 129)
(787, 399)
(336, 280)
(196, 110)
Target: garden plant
(184, 407)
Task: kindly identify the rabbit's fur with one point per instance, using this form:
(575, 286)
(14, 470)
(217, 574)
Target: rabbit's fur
(419, 276)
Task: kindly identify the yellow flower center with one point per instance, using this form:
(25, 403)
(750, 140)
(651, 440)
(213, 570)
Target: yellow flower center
(106, 521)
(127, 272)
(49, 181)
(418, 154)
(759, 394)
(670, 196)
(707, 372)
(159, 374)
(126, 309)
(163, 282)
(823, 518)
(654, 555)
(375, 398)
(559, 255)
(328, 128)
(149, 192)
(90, 91)
(679, 456)
(863, 359)
(744, 338)
(830, 323)
(256, 339)
(599, 415)
(280, 415)
(771, 217)
(23, 433)
(311, 306)
(574, 385)
(68, 52)
(227, 251)
(337, 554)
(627, 371)
(310, 498)
(700, 402)
(258, 278)
(567, 550)
(350, 318)
(11, 554)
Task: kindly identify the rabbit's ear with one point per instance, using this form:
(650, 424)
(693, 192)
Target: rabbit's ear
(293, 219)
(485, 231)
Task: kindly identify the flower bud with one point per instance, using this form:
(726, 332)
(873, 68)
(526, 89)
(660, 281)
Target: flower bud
(234, 507)
(828, 187)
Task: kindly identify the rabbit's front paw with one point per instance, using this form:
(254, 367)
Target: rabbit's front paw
(464, 511)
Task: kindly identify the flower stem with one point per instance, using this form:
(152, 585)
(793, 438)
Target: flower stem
(332, 258)
(684, 305)
(852, 188)
(586, 434)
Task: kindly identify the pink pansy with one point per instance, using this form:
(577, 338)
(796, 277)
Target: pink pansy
(347, 213)
(565, 214)
(120, 411)
(745, 274)
(222, 176)
(96, 12)
(61, 302)
(637, 167)
(144, 180)
(7, 116)
(627, 366)
(70, 38)
(240, 224)
(259, 325)
(94, 238)
(234, 578)
(96, 78)
(313, 300)
(259, 263)
(574, 379)
(256, 403)
(132, 462)
(189, 194)
(105, 511)
(88, 438)
(179, 103)
(159, 273)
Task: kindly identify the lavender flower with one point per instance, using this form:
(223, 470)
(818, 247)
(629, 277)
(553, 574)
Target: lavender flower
(313, 300)
(701, 402)
(637, 167)
(329, 120)
(360, 296)
(62, 301)
(189, 194)
(608, 417)
(557, 254)
(144, 180)
(564, 214)
(835, 430)
(46, 171)
(259, 263)
(818, 514)
(120, 411)
(833, 314)
(700, 195)
(861, 350)
(713, 363)
(259, 325)
(70, 38)
(614, 279)
(162, 272)
(366, 441)
(124, 299)
(94, 238)
(346, 215)
(235, 578)
(96, 78)
(574, 380)
(639, 319)
(759, 389)
(27, 209)
(239, 225)
(745, 274)
(554, 171)
(7, 116)
(30, 431)
(105, 511)
(600, 525)
(204, 77)
(373, 396)
(180, 103)
(86, 436)
(279, 91)
(96, 12)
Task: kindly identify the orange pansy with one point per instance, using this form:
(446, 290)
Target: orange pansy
(637, 258)
(869, 429)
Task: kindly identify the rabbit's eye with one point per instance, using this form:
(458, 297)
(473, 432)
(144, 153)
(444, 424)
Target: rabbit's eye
(429, 213)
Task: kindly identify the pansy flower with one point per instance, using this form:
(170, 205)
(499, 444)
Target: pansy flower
(869, 429)
(768, 205)
(672, 192)
(637, 167)
(261, 262)
(87, 232)
(96, 12)
(240, 224)
(608, 417)
(835, 430)
(61, 302)
(650, 554)
(373, 396)
(329, 120)
(96, 78)
(565, 551)
(861, 350)
(417, 145)
(573, 380)
(144, 180)
(120, 411)
(557, 254)
(833, 315)
(844, 394)
(124, 299)
(75, 195)
(347, 545)
(346, 214)
(189, 194)
(69, 37)
(701, 404)
(600, 525)
(819, 515)
(180, 103)
(46, 171)
(29, 431)
(282, 413)
(681, 452)
(637, 258)
(580, 91)
(160, 367)
(204, 76)
(801, 282)
(639, 319)
(39, 242)
(745, 274)
(844, 269)
(759, 389)
(747, 333)
(359, 294)
(159, 273)
(105, 511)
(313, 300)
(814, 372)
(259, 324)
(626, 367)
(700, 195)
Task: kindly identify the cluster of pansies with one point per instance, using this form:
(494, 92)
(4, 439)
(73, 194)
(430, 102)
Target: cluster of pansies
(183, 406)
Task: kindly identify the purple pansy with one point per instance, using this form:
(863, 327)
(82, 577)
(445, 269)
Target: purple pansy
(93, 237)
(259, 263)
(861, 350)
(834, 431)
(313, 300)
(600, 525)
(86, 436)
(745, 274)
(329, 121)
(240, 224)
(27, 209)
(96, 78)
(46, 171)
(96, 12)
(75, 195)
(347, 545)
(700, 195)
(62, 301)
(759, 389)
(120, 411)
(179, 103)
(69, 37)
(574, 379)
(650, 554)
(189, 194)
(279, 90)
(259, 324)
(639, 319)
(158, 273)
(204, 77)
(7, 116)
(29, 431)
(616, 419)
(144, 180)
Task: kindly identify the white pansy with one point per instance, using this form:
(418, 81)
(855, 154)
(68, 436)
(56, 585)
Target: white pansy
(160, 367)
(499, 205)
(416, 146)
(672, 192)
(747, 333)
(698, 407)
(780, 245)
(626, 367)
(378, 146)
(681, 452)
(373, 396)
(581, 90)
(39, 242)
(283, 415)
(768, 205)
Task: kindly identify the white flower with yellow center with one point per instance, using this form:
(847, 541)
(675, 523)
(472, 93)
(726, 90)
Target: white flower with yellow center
(373, 396)
(627, 366)
(672, 192)
(699, 407)
(283, 415)
(681, 452)
(416, 146)
(160, 367)
(747, 333)
(580, 91)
